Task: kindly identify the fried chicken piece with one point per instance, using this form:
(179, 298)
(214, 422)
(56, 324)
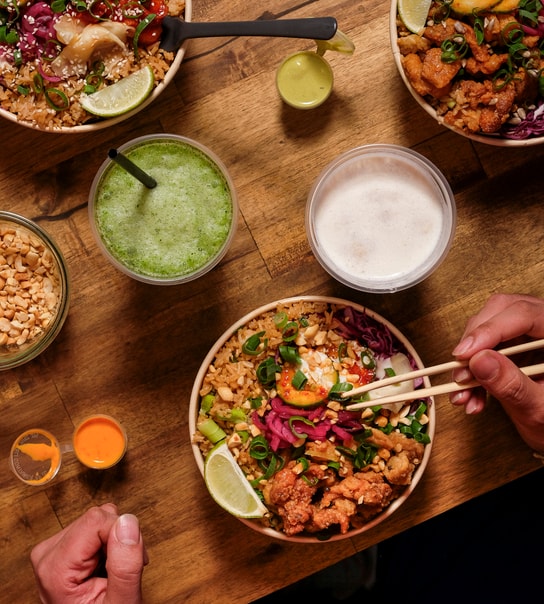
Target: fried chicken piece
(413, 67)
(340, 513)
(436, 72)
(441, 31)
(413, 44)
(479, 107)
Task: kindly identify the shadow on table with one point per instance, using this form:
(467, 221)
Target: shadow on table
(487, 551)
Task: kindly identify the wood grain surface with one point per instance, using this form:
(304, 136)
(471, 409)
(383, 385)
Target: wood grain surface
(132, 350)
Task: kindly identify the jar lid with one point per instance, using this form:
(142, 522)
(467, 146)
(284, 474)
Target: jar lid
(35, 456)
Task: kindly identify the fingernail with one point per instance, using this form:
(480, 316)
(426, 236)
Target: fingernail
(127, 529)
(486, 368)
(463, 346)
(472, 407)
(463, 375)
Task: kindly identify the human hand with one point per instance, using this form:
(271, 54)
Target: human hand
(503, 318)
(66, 564)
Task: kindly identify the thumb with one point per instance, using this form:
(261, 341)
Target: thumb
(519, 395)
(125, 562)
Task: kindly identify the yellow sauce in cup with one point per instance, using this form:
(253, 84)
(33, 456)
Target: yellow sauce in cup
(99, 442)
(304, 80)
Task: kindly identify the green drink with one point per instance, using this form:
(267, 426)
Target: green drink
(171, 233)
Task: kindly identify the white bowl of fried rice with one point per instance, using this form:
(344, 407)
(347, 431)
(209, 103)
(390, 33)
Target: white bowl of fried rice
(52, 52)
(271, 388)
(475, 70)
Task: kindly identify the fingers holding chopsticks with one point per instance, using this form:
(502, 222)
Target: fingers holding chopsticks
(503, 318)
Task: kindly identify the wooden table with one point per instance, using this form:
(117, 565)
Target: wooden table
(132, 350)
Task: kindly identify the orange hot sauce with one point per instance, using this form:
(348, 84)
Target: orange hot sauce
(35, 456)
(99, 442)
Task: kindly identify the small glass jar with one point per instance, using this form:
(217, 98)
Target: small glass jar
(35, 290)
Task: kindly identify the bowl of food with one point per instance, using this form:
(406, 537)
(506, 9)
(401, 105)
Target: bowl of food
(35, 290)
(474, 66)
(72, 67)
(174, 231)
(271, 432)
(380, 218)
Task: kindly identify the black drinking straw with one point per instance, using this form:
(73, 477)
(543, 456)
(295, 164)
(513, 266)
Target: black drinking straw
(132, 168)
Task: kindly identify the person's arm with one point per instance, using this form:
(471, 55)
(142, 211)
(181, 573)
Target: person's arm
(504, 318)
(66, 564)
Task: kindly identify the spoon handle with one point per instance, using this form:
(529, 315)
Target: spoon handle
(176, 30)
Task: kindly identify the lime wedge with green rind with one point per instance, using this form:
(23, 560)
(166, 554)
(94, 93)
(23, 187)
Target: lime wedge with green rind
(121, 97)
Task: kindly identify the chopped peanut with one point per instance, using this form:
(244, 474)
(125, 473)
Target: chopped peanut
(29, 286)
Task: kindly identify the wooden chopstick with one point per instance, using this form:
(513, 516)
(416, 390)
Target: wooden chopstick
(434, 370)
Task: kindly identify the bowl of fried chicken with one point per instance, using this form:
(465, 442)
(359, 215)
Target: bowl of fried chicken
(475, 66)
(57, 57)
(274, 396)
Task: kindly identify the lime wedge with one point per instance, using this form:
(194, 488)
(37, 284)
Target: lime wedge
(124, 95)
(339, 43)
(414, 14)
(228, 485)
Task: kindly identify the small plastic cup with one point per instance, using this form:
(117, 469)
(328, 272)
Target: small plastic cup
(304, 80)
(99, 442)
(174, 232)
(35, 457)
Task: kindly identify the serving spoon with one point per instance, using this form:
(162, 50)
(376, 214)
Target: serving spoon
(175, 30)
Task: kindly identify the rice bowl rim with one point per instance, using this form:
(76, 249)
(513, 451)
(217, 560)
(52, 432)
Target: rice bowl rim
(194, 406)
(480, 138)
(106, 123)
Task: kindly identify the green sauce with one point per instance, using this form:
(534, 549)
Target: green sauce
(177, 227)
(304, 80)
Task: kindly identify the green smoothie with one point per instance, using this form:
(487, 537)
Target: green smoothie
(174, 229)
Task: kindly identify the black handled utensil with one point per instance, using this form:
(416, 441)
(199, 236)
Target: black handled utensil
(175, 30)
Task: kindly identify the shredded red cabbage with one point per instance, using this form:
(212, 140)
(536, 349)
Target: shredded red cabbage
(532, 125)
(356, 325)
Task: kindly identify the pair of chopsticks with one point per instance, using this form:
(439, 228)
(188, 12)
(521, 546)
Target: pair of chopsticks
(436, 369)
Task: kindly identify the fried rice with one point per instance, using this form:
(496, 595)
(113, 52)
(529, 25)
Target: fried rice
(21, 96)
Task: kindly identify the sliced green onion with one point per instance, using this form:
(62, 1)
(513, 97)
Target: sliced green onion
(368, 361)
(389, 372)
(289, 354)
(139, 29)
(256, 403)
(266, 371)
(212, 431)
(290, 331)
(37, 82)
(335, 393)
(342, 350)
(206, 403)
(299, 380)
(303, 461)
(259, 449)
(280, 319)
(255, 344)
(23, 90)
(304, 420)
(56, 99)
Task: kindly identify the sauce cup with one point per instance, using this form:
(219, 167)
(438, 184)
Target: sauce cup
(99, 442)
(35, 457)
(304, 80)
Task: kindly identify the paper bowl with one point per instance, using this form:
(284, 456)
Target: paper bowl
(252, 323)
(35, 308)
(498, 140)
(98, 123)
